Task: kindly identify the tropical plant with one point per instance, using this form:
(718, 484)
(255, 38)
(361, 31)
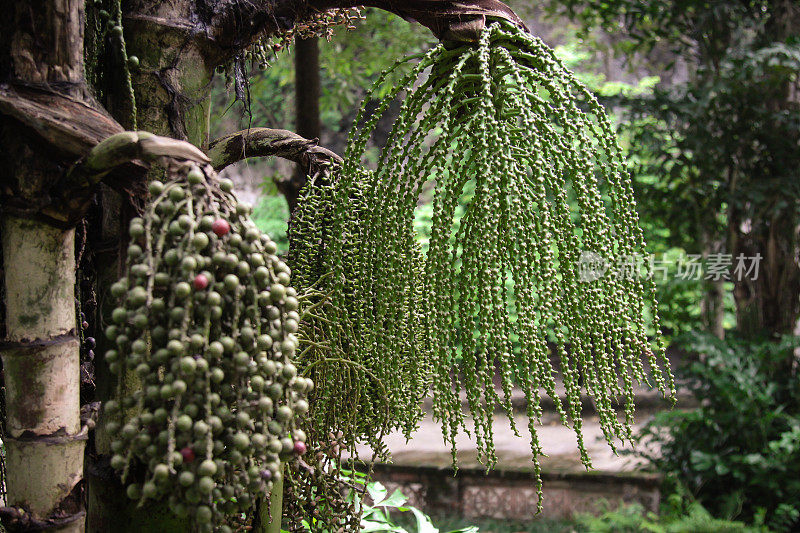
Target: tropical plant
(738, 453)
(390, 321)
(718, 148)
(207, 321)
(633, 519)
(377, 508)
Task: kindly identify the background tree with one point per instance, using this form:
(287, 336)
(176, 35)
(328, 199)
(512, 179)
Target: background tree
(718, 153)
(724, 149)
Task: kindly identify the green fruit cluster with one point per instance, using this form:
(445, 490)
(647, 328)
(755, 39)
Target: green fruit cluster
(385, 387)
(207, 320)
(361, 395)
(525, 175)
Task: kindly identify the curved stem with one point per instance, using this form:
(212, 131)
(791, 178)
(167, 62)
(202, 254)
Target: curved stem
(128, 146)
(265, 142)
(448, 20)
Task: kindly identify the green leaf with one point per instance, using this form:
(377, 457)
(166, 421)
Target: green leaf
(377, 492)
(397, 499)
(368, 526)
(424, 524)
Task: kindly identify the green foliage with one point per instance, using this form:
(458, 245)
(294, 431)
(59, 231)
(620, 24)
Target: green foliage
(377, 516)
(739, 452)
(537, 525)
(683, 24)
(353, 61)
(522, 181)
(205, 329)
(350, 61)
(271, 215)
(718, 152)
(720, 144)
(684, 518)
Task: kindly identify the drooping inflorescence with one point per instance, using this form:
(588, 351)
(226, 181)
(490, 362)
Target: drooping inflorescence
(362, 399)
(527, 184)
(207, 321)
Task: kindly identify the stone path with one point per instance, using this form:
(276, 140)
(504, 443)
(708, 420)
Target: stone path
(427, 447)
(422, 470)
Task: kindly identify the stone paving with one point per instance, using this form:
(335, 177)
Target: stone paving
(427, 447)
(422, 468)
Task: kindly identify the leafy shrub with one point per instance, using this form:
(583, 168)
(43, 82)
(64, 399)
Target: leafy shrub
(377, 516)
(634, 519)
(271, 215)
(739, 452)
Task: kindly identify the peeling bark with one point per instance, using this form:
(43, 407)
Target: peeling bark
(46, 43)
(70, 126)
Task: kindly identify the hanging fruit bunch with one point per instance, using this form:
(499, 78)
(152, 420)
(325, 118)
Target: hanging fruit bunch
(526, 179)
(207, 321)
(358, 400)
(388, 386)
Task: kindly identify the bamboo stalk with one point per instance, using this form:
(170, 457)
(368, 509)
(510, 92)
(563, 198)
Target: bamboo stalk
(272, 521)
(41, 363)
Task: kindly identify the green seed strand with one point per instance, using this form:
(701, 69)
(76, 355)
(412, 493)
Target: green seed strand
(523, 175)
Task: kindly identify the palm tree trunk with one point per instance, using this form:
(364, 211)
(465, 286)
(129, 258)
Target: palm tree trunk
(41, 359)
(179, 43)
(44, 441)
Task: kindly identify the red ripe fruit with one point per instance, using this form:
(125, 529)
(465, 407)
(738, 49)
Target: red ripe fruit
(200, 282)
(299, 447)
(220, 227)
(187, 454)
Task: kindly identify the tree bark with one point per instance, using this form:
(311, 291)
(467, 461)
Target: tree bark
(172, 96)
(447, 19)
(268, 142)
(43, 47)
(307, 120)
(712, 307)
(42, 91)
(41, 362)
(770, 304)
(307, 88)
